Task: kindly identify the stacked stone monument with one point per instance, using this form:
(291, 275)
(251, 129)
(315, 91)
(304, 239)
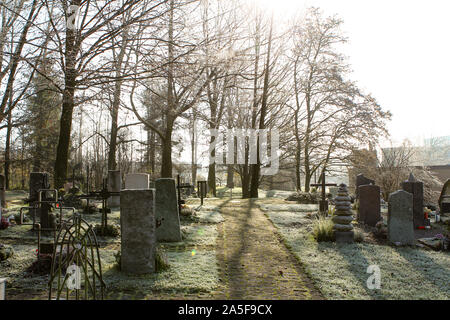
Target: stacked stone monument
(343, 218)
(416, 189)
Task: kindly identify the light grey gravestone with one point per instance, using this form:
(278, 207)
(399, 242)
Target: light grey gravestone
(167, 213)
(369, 205)
(138, 230)
(400, 218)
(416, 188)
(137, 181)
(343, 228)
(114, 185)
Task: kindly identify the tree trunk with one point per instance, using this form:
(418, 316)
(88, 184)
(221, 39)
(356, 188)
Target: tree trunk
(8, 150)
(166, 165)
(62, 151)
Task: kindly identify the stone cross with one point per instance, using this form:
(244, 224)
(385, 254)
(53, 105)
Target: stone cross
(343, 228)
(369, 204)
(323, 204)
(416, 188)
(400, 218)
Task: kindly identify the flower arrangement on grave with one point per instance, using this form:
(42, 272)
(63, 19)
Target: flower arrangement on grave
(4, 223)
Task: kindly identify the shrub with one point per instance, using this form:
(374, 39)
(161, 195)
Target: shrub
(323, 230)
(304, 197)
(17, 218)
(109, 231)
(5, 252)
(358, 236)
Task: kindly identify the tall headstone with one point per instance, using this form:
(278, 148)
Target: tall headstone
(167, 211)
(361, 180)
(369, 204)
(416, 188)
(343, 217)
(114, 185)
(138, 231)
(137, 181)
(400, 218)
(40, 181)
(2, 191)
(444, 198)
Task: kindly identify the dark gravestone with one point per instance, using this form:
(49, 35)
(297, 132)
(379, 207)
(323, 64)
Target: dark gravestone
(40, 181)
(444, 198)
(400, 218)
(138, 231)
(2, 191)
(369, 204)
(361, 180)
(416, 188)
(167, 211)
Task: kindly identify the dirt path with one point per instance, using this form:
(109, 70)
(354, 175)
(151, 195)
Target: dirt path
(253, 262)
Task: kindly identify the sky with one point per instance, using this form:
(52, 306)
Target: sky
(399, 51)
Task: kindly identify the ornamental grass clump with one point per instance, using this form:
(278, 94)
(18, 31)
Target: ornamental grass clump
(323, 230)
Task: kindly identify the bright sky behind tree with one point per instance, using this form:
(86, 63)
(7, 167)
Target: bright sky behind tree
(399, 51)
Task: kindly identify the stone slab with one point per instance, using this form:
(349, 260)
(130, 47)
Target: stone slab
(369, 204)
(138, 231)
(137, 181)
(167, 211)
(416, 188)
(400, 218)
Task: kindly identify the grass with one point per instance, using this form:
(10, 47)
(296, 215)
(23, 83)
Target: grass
(323, 230)
(340, 271)
(192, 263)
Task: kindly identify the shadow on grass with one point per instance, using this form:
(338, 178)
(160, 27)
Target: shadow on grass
(425, 264)
(352, 252)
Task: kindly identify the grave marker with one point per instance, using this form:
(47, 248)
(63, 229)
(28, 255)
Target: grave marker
(400, 218)
(416, 189)
(343, 217)
(323, 204)
(137, 181)
(369, 204)
(361, 180)
(167, 211)
(114, 185)
(138, 229)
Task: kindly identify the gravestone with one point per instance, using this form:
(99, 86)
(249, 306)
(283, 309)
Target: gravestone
(2, 191)
(369, 204)
(137, 181)
(343, 217)
(416, 188)
(361, 180)
(167, 211)
(138, 229)
(40, 181)
(114, 185)
(400, 218)
(444, 198)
